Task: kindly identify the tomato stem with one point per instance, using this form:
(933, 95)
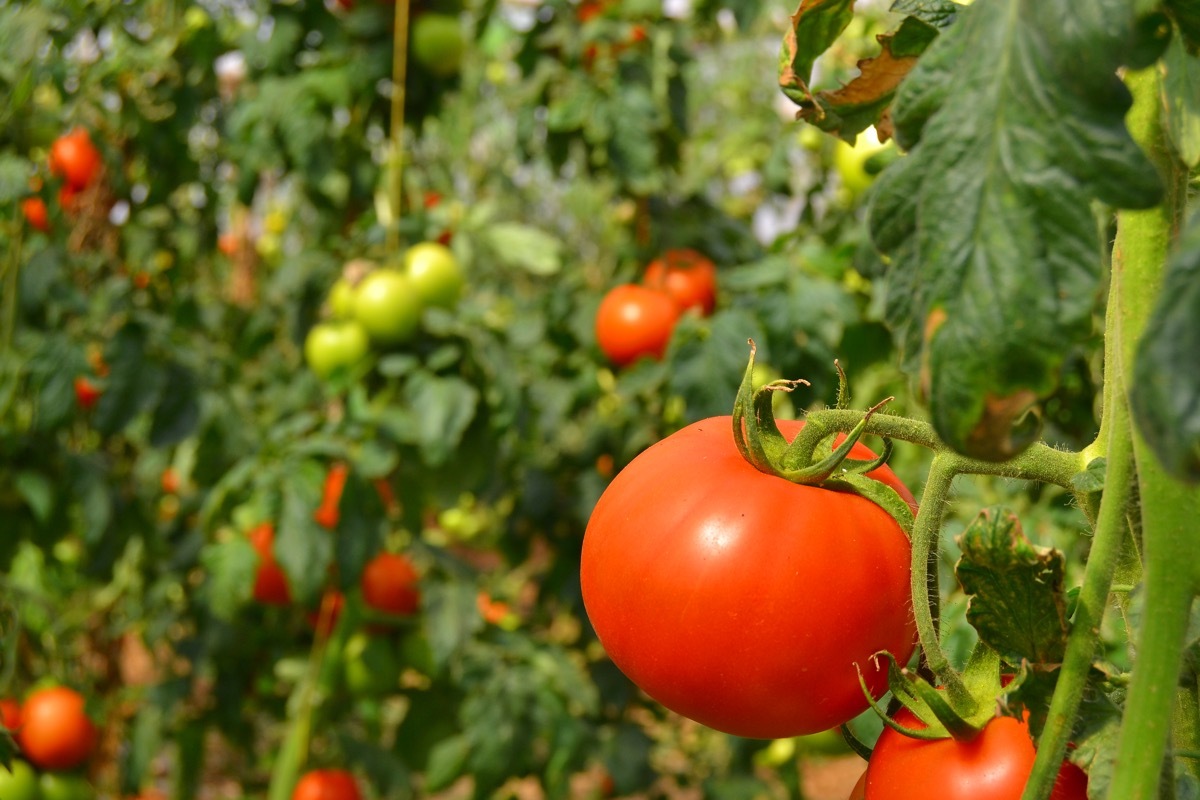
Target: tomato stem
(396, 159)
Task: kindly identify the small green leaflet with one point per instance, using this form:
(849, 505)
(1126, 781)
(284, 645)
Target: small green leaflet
(1015, 587)
(1015, 124)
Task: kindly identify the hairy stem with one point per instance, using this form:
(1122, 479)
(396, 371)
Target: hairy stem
(1093, 597)
(1169, 509)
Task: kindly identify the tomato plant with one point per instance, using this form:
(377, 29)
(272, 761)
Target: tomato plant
(327, 784)
(687, 275)
(727, 625)
(634, 322)
(56, 732)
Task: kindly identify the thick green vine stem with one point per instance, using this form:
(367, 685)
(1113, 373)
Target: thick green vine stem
(1169, 509)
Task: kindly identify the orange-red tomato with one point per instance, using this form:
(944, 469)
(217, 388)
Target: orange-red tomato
(327, 515)
(170, 481)
(10, 713)
(635, 321)
(87, 394)
(689, 276)
(327, 784)
(492, 611)
(56, 732)
(390, 584)
(74, 158)
(34, 209)
(859, 792)
(270, 581)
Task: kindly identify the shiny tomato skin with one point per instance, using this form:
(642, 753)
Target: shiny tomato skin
(74, 158)
(635, 321)
(327, 784)
(56, 732)
(859, 792)
(270, 581)
(739, 599)
(687, 275)
(390, 583)
(995, 765)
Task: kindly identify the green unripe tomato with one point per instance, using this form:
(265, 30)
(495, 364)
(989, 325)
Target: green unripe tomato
(438, 43)
(370, 665)
(331, 346)
(64, 786)
(388, 306)
(851, 160)
(341, 299)
(435, 274)
(19, 783)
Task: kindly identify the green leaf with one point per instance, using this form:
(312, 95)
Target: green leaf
(360, 527)
(525, 247)
(1015, 588)
(131, 383)
(1165, 397)
(707, 358)
(1181, 101)
(627, 758)
(38, 492)
(178, 410)
(442, 408)
(14, 177)
(816, 24)
(449, 619)
(230, 567)
(447, 761)
(938, 13)
(1091, 479)
(1015, 124)
(303, 548)
(1186, 14)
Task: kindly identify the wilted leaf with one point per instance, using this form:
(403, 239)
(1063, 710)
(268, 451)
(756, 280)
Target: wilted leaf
(1016, 589)
(1015, 123)
(816, 24)
(1165, 397)
(1181, 101)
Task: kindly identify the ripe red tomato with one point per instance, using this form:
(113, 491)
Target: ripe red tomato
(993, 766)
(327, 784)
(74, 158)
(34, 209)
(87, 394)
(859, 792)
(635, 321)
(270, 582)
(390, 584)
(740, 599)
(170, 481)
(328, 514)
(56, 732)
(689, 276)
(10, 713)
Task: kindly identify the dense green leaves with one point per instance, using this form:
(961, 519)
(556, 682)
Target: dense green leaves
(1181, 101)
(1015, 124)
(1016, 589)
(1165, 396)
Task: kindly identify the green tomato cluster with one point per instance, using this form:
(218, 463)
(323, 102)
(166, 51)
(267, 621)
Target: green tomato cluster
(382, 308)
(20, 781)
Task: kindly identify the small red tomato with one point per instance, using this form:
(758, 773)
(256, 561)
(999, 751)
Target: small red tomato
(87, 394)
(390, 584)
(995, 765)
(689, 276)
(10, 714)
(492, 611)
(270, 581)
(327, 515)
(56, 732)
(327, 784)
(170, 481)
(74, 158)
(34, 209)
(635, 321)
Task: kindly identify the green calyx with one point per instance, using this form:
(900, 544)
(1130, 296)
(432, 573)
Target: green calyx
(763, 445)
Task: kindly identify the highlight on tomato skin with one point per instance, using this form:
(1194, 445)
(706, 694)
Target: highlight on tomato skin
(741, 600)
(56, 732)
(635, 322)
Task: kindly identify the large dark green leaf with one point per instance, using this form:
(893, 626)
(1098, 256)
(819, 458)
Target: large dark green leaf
(442, 408)
(303, 548)
(1015, 588)
(178, 408)
(1186, 14)
(360, 527)
(1015, 122)
(230, 567)
(1166, 390)
(132, 380)
(1181, 101)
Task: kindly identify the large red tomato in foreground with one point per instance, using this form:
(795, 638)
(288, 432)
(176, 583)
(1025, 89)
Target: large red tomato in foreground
(56, 732)
(739, 599)
(326, 784)
(995, 765)
(635, 321)
(689, 276)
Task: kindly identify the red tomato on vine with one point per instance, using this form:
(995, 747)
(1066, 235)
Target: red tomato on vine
(270, 581)
(328, 514)
(995, 765)
(87, 394)
(327, 784)
(10, 713)
(75, 159)
(635, 321)
(689, 276)
(390, 584)
(740, 599)
(36, 214)
(56, 732)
